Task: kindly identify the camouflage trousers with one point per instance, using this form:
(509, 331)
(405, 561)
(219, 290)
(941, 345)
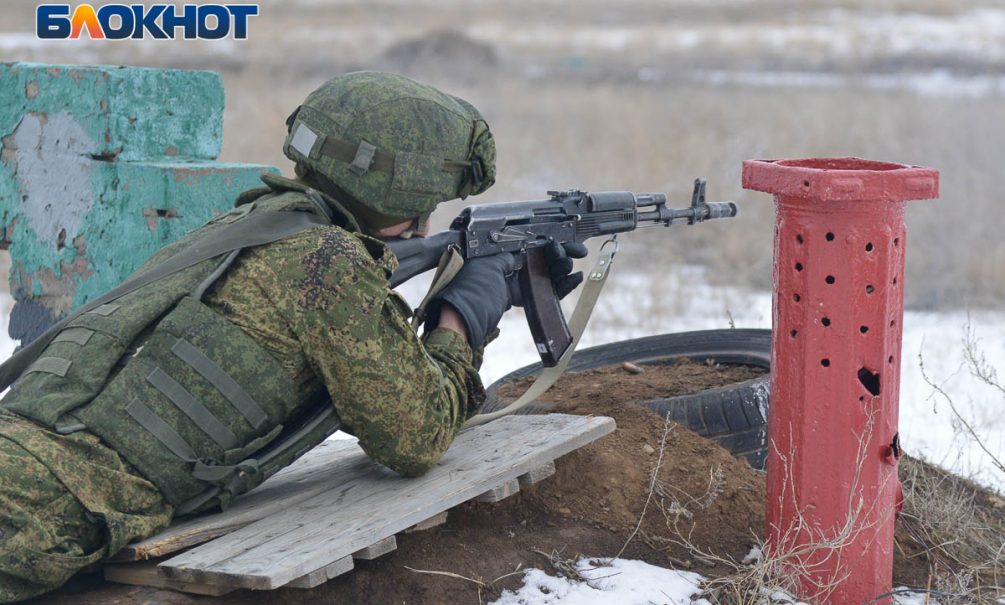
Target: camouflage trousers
(66, 501)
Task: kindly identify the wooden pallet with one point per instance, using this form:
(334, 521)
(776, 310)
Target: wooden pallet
(307, 524)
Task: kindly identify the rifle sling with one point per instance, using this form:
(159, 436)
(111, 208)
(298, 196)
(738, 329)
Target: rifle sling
(451, 263)
(255, 229)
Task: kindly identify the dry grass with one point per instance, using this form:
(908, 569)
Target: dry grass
(962, 528)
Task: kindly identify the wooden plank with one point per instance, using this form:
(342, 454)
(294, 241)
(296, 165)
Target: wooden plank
(375, 550)
(320, 576)
(305, 478)
(146, 574)
(434, 521)
(538, 474)
(500, 492)
(371, 503)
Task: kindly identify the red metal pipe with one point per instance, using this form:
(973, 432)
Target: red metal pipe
(835, 367)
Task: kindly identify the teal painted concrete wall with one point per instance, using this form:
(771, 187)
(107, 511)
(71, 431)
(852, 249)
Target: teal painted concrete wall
(100, 167)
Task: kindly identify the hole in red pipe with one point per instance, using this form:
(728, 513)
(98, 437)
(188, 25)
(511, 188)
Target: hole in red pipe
(892, 323)
(863, 329)
(861, 398)
(895, 280)
(870, 380)
(806, 183)
(799, 266)
(868, 247)
(799, 239)
(796, 297)
(869, 289)
(829, 236)
(896, 241)
(825, 362)
(826, 321)
(829, 279)
(793, 333)
(889, 359)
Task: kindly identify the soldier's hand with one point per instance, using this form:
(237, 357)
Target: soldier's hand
(479, 294)
(560, 265)
(559, 258)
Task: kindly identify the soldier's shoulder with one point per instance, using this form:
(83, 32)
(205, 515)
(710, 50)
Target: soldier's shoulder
(333, 245)
(328, 246)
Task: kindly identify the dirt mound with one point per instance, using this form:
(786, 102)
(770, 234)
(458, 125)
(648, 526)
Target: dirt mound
(592, 506)
(615, 384)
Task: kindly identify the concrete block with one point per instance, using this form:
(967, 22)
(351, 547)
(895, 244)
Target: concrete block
(100, 167)
(125, 113)
(71, 241)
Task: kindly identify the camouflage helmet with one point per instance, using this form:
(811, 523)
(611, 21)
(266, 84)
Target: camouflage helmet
(388, 147)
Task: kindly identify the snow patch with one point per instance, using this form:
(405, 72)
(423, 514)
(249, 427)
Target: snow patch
(621, 581)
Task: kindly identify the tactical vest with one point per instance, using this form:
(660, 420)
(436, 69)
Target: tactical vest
(194, 403)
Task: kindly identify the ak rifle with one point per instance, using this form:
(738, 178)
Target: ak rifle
(524, 228)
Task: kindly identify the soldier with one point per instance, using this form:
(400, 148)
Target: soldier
(236, 349)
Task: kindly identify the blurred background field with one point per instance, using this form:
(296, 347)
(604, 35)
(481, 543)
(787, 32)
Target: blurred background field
(648, 94)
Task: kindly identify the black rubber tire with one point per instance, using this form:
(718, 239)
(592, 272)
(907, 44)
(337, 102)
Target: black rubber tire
(735, 416)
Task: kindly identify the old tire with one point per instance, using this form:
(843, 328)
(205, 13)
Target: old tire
(735, 415)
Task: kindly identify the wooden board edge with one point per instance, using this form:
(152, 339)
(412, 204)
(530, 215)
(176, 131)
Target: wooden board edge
(147, 574)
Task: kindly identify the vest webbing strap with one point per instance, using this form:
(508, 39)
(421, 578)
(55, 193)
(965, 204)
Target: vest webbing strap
(227, 481)
(51, 365)
(78, 336)
(105, 310)
(160, 429)
(227, 386)
(256, 229)
(193, 408)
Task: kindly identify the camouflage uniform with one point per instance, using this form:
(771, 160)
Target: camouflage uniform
(319, 302)
(319, 305)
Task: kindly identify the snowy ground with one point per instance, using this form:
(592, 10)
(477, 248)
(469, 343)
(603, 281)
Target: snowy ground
(627, 582)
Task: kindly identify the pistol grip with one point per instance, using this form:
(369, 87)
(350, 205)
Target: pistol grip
(544, 313)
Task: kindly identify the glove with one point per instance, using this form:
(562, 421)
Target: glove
(480, 295)
(560, 266)
(559, 258)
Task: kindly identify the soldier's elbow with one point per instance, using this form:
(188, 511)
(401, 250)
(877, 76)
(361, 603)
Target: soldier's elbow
(415, 468)
(409, 462)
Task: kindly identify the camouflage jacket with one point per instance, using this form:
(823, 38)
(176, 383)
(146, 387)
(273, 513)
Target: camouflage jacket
(320, 303)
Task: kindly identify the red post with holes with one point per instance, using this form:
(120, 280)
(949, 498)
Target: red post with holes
(835, 367)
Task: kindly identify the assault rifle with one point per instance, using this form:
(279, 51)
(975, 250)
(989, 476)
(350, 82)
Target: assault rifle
(524, 228)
